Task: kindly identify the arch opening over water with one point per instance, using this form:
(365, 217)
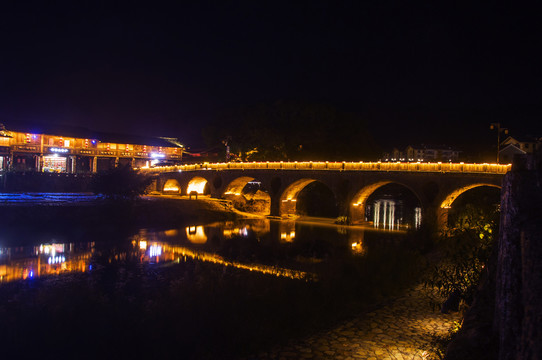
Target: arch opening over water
(288, 198)
(308, 197)
(318, 200)
(387, 205)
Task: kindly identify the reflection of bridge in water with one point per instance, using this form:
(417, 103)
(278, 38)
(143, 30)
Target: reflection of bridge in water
(196, 242)
(435, 185)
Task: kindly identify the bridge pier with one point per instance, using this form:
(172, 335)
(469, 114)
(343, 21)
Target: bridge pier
(275, 205)
(441, 218)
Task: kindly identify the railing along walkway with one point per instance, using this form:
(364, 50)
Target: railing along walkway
(341, 166)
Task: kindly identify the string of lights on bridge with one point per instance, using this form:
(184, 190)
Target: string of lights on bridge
(342, 166)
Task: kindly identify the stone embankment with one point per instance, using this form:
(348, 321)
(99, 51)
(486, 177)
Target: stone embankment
(403, 329)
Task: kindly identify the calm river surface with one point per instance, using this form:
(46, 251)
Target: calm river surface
(218, 290)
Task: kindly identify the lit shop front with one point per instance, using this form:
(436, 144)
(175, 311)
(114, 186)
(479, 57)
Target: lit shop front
(57, 160)
(54, 163)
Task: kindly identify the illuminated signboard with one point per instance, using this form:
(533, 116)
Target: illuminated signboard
(59, 150)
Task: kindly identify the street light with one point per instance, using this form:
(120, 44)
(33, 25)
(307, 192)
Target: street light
(497, 126)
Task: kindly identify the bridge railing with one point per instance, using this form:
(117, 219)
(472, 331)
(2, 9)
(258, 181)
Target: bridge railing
(341, 166)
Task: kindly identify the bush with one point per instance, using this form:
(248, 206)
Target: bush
(465, 251)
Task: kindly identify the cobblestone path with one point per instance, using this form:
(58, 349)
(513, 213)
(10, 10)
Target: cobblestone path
(400, 330)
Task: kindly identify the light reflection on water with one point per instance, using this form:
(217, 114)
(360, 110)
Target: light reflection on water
(266, 240)
(32, 198)
(20, 263)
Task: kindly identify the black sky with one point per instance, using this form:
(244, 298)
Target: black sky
(415, 72)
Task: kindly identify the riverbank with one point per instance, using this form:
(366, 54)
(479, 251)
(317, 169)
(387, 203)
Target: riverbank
(401, 328)
(82, 218)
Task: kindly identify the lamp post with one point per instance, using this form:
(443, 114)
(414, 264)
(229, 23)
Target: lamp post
(226, 142)
(497, 126)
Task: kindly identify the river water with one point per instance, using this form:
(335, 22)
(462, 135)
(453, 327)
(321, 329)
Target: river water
(217, 290)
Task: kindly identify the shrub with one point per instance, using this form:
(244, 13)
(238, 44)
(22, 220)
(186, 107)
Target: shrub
(465, 250)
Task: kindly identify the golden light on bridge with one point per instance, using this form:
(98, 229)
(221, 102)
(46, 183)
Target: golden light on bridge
(172, 186)
(447, 203)
(236, 186)
(343, 166)
(289, 197)
(197, 185)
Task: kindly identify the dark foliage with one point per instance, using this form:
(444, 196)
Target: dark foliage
(120, 183)
(466, 249)
(287, 130)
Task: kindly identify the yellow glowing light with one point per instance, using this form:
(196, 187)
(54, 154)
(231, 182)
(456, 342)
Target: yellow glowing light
(196, 235)
(172, 186)
(143, 245)
(232, 193)
(357, 247)
(287, 236)
(197, 184)
(236, 186)
(264, 269)
(356, 166)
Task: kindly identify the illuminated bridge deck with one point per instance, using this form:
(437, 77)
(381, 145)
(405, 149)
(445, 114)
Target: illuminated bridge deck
(342, 166)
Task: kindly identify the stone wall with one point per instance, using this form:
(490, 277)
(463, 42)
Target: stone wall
(518, 302)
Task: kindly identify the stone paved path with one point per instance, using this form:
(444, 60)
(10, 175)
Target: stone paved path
(400, 330)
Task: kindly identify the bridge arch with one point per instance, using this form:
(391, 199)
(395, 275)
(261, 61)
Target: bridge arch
(171, 186)
(448, 201)
(290, 196)
(197, 184)
(235, 187)
(358, 205)
(445, 206)
(253, 199)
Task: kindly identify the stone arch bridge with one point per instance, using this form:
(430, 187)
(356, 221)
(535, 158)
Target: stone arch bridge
(436, 185)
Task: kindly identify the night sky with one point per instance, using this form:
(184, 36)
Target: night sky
(430, 72)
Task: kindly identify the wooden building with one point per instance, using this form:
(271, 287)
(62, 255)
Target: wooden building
(64, 149)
